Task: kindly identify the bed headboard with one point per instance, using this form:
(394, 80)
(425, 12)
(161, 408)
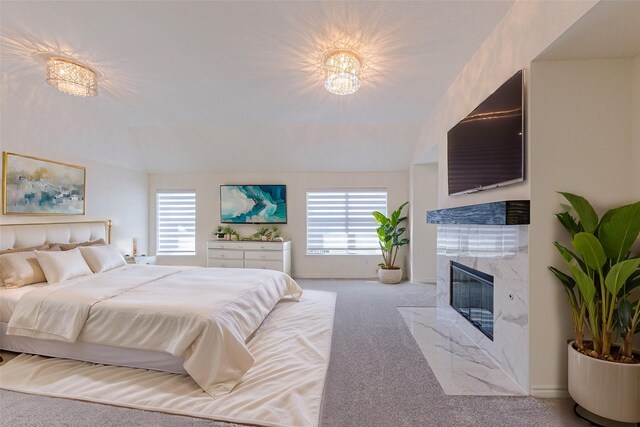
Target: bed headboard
(37, 234)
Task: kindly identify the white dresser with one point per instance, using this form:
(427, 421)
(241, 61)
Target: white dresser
(242, 254)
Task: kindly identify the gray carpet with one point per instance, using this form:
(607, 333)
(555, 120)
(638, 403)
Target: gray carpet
(377, 377)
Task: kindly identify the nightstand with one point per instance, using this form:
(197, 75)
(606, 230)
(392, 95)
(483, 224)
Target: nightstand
(144, 259)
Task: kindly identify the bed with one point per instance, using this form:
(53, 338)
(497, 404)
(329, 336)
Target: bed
(175, 319)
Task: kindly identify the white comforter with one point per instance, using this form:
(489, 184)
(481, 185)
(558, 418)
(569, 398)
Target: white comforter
(203, 315)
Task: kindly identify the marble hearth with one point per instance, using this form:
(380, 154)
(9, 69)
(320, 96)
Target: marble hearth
(492, 238)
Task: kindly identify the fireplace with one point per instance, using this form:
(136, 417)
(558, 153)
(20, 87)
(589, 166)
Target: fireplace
(472, 296)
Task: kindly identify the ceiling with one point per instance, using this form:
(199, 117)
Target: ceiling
(234, 86)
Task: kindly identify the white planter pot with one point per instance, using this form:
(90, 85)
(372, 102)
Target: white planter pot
(608, 389)
(390, 277)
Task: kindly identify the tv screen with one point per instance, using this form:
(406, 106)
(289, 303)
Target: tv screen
(486, 149)
(253, 204)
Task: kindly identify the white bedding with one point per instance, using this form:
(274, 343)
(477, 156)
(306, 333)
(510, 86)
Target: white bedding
(9, 299)
(203, 315)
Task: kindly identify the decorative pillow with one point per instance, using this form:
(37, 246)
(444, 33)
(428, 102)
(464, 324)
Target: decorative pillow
(31, 249)
(64, 265)
(102, 257)
(21, 268)
(69, 246)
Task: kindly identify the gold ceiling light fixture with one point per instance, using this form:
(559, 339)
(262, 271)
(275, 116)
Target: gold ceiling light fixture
(71, 77)
(342, 71)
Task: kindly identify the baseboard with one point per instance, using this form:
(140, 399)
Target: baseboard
(342, 276)
(549, 392)
(425, 280)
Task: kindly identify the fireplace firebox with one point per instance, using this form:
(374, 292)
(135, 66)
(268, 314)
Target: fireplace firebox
(472, 296)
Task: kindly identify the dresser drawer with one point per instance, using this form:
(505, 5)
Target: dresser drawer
(263, 255)
(266, 265)
(264, 246)
(225, 263)
(222, 254)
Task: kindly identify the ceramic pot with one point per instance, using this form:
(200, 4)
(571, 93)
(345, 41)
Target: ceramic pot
(390, 277)
(608, 389)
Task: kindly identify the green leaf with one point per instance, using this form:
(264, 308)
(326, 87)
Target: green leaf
(380, 217)
(589, 247)
(402, 206)
(567, 255)
(585, 284)
(633, 281)
(587, 215)
(566, 280)
(619, 274)
(619, 229)
(625, 316)
(569, 223)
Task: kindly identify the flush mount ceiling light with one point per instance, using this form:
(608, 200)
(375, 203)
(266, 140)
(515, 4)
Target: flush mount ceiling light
(70, 77)
(342, 69)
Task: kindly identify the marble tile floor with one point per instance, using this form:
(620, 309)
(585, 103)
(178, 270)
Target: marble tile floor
(460, 366)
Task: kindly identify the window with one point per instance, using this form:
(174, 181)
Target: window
(176, 222)
(339, 222)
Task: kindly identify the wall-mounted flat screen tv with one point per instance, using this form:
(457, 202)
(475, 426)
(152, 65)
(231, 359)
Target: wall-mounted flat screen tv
(253, 204)
(486, 149)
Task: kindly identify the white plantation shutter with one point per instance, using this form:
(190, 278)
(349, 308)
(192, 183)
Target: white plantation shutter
(339, 222)
(176, 222)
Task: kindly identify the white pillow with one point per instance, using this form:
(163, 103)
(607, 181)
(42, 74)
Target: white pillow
(64, 265)
(19, 269)
(102, 258)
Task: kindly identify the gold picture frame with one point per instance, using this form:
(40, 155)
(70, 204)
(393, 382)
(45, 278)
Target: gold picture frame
(36, 186)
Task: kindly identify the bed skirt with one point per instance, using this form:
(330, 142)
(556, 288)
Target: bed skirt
(96, 353)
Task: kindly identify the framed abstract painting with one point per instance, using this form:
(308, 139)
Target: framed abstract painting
(35, 186)
(253, 204)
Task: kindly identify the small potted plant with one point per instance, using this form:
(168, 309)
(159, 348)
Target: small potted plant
(275, 234)
(230, 233)
(602, 285)
(218, 232)
(390, 238)
(263, 234)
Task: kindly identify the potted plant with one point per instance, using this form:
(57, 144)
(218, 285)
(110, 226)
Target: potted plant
(230, 233)
(390, 238)
(277, 235)
(602, 286)
(218, 232)
(263, 234)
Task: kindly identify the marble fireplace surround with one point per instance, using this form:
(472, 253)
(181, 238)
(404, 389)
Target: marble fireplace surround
(478, 236)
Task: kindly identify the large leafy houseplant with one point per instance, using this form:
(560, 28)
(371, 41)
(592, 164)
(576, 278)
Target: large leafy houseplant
(603, 277)
(390, 237)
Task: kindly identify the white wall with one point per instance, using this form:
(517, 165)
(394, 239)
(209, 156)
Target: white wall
(207, 190)
(424, 197)
(635, 111)
(580, 134)
(525, 31)
(112, 193)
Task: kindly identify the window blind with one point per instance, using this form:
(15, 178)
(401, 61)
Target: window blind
(339, 222)
(176, 222)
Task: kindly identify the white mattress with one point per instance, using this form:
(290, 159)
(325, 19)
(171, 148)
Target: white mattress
(155, 360)
(9, 299)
